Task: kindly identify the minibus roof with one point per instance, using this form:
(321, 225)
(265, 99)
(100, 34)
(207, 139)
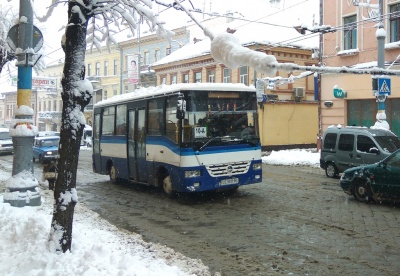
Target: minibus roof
(151, 92)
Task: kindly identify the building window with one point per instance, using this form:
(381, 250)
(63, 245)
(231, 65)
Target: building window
(55, 105)
(211, 75)
(197, 77)
(40, 106)
(146, 60)
(105, 68)
(157, 55)
(44, 106)
(350, 32)
(115, 67)
(61, 105)
(9, 111)
(97, 68)
(394, 20)
(227, 75)
(163, 80)
(49, 106)
(89, 70)
(115, 92)
(244, 75)
(173, 79)
(105, 95)
(168, 51)
(185, 78)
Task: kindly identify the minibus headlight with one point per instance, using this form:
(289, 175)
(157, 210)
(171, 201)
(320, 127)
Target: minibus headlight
(189, 174)
(49, 153)
(257, 166)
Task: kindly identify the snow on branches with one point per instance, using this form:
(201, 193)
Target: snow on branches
(109, 17)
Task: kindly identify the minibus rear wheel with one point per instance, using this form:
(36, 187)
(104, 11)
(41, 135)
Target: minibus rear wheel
(113, 174)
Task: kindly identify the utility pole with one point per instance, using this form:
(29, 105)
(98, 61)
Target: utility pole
(381, 36)
(380, 98)
(21, 189)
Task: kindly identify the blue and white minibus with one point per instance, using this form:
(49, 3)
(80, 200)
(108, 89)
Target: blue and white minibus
(181, 137)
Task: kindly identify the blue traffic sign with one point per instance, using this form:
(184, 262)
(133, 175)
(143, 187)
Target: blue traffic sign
(384, 86)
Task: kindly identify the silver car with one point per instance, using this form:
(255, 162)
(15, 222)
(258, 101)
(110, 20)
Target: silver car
(6, 143)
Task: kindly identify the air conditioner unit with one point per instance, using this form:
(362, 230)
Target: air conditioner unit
(298, 92)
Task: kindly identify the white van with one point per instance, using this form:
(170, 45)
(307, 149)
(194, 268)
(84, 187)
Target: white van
(346, 147)
(6, 143)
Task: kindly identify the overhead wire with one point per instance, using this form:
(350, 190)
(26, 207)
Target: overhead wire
(343, 27)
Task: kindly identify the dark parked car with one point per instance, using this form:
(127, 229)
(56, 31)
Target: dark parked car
(45, 148)
(379, 181)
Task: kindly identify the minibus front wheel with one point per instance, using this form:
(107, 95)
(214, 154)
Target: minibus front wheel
(167, 186)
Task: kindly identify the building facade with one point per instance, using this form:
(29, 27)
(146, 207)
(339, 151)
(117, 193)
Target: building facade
(45, 101)
(354, 44)
(107, 71)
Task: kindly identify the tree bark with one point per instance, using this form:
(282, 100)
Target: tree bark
(65, 197)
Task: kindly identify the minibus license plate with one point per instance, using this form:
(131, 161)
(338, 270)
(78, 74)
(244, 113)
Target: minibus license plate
(229, 181)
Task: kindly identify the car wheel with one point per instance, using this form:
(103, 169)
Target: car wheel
(331, 170)
(113, 174)
(362, 191)
(167, 186)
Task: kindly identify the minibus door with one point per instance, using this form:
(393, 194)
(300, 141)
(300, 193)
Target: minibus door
(96, 145)
(137, 145)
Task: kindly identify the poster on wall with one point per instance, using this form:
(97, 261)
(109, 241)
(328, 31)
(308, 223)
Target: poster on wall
(133, 69)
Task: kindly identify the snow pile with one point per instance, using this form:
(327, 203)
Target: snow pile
(98, 248)
(304, 157)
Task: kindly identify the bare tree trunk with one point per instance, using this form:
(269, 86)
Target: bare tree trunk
(74, 102)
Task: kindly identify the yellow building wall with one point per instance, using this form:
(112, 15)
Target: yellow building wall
(288, 124)
(109, 82)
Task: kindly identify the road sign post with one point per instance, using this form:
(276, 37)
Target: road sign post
(22, 188)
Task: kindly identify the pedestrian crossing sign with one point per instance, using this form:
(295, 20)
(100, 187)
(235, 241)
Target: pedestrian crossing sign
(384, 86)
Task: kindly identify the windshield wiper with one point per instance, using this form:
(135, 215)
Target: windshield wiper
(208, 142)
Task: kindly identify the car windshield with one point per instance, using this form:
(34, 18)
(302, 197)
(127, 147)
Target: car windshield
(5, 136)
(388, 143)
(49, 143)
(220, 117)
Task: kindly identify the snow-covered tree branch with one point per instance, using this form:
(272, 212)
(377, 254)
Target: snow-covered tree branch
(7, 18)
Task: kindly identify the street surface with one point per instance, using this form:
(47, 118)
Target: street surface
(296, 222)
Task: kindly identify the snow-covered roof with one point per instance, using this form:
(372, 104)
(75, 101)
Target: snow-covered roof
(165, 89)
(248, 34)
